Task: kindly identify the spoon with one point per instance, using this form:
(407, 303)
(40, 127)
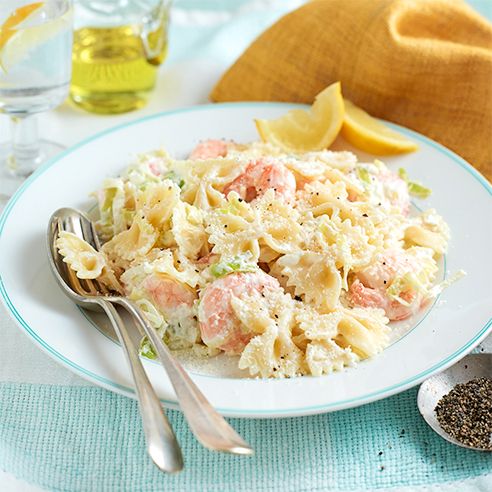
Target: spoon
(161, 442)
(433, 389)
(208, 426)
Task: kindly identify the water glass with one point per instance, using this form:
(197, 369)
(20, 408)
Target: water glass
(35, 52)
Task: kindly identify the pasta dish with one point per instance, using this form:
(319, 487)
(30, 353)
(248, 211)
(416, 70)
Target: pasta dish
(294, 262)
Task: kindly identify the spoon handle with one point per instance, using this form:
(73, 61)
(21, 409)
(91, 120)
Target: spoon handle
(208, 426)
(162, 445)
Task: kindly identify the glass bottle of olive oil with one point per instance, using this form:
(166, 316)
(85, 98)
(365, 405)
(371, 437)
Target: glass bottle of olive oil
(114, 68)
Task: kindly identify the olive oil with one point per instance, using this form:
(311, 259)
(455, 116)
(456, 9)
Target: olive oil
(114, 68)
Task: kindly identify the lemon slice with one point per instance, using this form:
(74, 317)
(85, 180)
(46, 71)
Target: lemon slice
(17, 40)
(314, 129)
(7, 29)
(368, 134)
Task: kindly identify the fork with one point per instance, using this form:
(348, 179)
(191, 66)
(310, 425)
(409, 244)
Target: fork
(162, 445)
(208, 426)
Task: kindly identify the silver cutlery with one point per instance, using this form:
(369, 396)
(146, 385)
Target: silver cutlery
(208, 426)
(162, 445)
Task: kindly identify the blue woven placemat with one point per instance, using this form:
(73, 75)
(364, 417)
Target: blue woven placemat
(88, 439)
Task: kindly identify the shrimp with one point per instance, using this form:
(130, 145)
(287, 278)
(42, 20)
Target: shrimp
(209, 149)
(219, 326)
(386, 187)
(363, 296)
(369, 287)
(168, 294)
(155, 167)
(395, 190)
(175, 301)
(207, 260)
(260, 176)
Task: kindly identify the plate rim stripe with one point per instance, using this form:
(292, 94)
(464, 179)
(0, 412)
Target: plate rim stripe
(233, 412)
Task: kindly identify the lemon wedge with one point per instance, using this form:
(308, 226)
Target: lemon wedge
(7, 29)
(366, 133)
(313, 129)
(17, 40)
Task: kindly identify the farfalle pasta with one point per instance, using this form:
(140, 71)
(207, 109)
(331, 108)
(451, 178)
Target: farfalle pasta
(313, 277)
(293, 263)
(86, 261)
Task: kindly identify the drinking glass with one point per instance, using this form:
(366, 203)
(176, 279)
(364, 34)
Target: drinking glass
(118, 47)
(35, 55)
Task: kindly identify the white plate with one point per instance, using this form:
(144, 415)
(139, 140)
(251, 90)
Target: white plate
(445, 333)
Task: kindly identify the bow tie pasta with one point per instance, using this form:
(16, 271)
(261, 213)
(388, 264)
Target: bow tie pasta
(293, 263)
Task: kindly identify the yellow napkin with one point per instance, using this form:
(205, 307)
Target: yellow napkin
(425, 64)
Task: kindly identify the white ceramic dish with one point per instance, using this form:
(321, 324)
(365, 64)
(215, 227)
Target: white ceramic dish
(456, 322)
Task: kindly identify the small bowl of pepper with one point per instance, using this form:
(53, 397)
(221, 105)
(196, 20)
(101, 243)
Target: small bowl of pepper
(457, 403)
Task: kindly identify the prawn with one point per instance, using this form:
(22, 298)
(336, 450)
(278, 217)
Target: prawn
(168, 294)
(261, 176)
(209, 149)
(369, 287)
(206, 260)
(363, 296)
(396, 191)
(219, 326)
(176, 302)
(389, 188)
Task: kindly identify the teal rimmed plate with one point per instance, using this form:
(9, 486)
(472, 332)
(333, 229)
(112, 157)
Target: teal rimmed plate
(447, 331)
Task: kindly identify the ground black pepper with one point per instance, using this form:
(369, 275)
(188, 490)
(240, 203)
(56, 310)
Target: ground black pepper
(465, 413)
